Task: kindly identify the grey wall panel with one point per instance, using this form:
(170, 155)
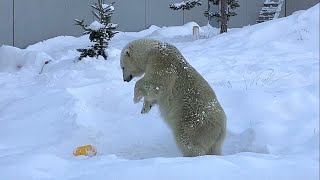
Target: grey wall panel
(295, 5)
(129, 15)
(283, 11)
(241, 18)
(6, 22)
(196, 15)
(37, 20)
(31, 21)
(252, 9)
(76, 10)
(159, 13)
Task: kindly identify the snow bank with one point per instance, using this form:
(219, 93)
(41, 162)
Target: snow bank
(300, 29)
(13, 59)
(172, 31)
(61, 47)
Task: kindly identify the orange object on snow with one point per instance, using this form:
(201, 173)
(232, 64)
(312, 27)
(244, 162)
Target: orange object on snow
(86, 150)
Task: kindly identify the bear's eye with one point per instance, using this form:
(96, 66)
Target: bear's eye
(122, 68)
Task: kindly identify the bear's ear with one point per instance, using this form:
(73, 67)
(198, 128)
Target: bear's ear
(127, 51)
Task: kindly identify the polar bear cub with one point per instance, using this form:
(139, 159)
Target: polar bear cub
(186, 101)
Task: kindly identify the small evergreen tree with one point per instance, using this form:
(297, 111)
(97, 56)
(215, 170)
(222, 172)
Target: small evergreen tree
(227, 8)
(100, 31)
(226, 11)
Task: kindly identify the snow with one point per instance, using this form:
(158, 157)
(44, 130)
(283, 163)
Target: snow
(95, 25)
(108, 6)
(266, 77)
(179, 5)
(174, 32)
(13, 59)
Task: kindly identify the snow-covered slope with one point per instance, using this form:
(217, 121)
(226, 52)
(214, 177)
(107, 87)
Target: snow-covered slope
(266, 77)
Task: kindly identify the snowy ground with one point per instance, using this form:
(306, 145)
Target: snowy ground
(266, 77)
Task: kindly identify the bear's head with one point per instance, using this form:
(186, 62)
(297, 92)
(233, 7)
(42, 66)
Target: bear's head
(129, 65)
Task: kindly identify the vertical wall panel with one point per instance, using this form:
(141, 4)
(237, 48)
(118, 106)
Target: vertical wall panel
(159, 13)
(295, 5)
(196, 14)
(6, 22)
(252, 9)
(31, 21)
(76, 9)
(37, 20)
(129, 14)
(283, 10)
(240, 19)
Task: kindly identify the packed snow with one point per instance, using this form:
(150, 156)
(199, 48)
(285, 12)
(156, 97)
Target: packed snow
(96, 26)
(108, 7)
(266, 77)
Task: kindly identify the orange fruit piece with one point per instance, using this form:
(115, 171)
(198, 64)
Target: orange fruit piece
(86, 150)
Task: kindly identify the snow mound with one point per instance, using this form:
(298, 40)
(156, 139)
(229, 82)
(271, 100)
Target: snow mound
(13, 59)
(149, 31)
(172, 31)
(61, 47)
(300, 29)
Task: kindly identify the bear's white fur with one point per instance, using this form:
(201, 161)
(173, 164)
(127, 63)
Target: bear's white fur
(186, 101)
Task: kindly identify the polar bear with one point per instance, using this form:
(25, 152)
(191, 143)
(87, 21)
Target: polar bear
(186, 101)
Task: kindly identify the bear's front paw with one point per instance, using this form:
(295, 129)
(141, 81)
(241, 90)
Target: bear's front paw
(137, 99)
(146, 109)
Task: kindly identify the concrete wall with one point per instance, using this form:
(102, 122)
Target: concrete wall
(159, 13)
(6, 22)
(24, 22)
(140, 14)
(295, 5)
(196, 14)
(130, 15)
(36, 20)
(249, 10)
(248, 13)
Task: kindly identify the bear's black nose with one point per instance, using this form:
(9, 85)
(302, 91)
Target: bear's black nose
(129, 78)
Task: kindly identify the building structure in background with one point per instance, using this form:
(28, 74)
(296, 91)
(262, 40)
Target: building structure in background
(26, 22)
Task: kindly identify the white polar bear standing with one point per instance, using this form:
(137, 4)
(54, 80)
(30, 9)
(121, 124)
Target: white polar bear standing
(186, 101)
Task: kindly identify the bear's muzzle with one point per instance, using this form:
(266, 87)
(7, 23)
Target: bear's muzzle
(128, 78)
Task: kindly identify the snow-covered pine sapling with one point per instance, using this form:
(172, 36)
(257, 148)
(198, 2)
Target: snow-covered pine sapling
(185, 5)
(210, 14)
(227, 8)
(226, 11)
(100, 31)
(231, 5)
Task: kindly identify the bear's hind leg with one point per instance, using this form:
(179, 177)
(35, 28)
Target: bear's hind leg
(215, 150)
(189, 144)
(205, 139)
(191, 150)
